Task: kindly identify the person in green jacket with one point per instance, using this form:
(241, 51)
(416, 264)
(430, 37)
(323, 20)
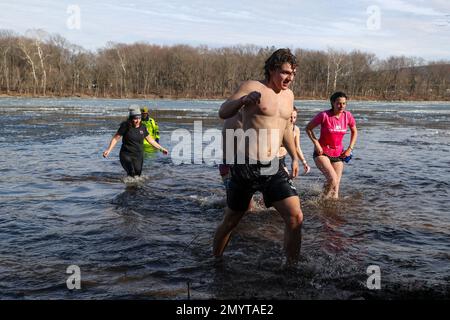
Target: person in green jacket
(152, 128)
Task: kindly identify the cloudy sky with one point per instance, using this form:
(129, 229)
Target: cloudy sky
(385, 27)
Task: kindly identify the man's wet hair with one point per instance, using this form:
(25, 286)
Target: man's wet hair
(277, 59)
(337, 95)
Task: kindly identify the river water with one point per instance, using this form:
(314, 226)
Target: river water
(62, 204)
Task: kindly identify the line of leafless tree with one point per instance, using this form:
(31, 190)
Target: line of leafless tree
(41, 64)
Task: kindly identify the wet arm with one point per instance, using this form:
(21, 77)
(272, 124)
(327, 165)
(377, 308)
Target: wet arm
(309, 131)
(155, 144)
(234, 103)
(354, 136)
(289, 144)
(299, 149)
(300, 152)
(112, 144)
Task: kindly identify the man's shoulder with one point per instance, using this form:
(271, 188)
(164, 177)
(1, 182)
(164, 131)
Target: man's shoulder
(289, 93)
(287, 99)
(252, 84)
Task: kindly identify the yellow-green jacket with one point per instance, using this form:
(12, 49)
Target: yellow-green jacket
(153, 130)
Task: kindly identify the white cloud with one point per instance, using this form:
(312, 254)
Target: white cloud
(314, 24)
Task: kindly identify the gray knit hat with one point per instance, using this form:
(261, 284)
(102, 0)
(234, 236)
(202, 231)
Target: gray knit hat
(134, 111)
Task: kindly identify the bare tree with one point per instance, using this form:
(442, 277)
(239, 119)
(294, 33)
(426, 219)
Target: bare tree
(6, 37)
(40, 63)
(26, 46)
(336, 62)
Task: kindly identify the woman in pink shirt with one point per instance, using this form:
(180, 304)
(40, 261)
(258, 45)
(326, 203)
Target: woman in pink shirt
(329, 152)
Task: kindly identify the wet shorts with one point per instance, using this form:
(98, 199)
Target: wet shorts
(224, 170)
(332, 159)
(246, 179)
(283, 163)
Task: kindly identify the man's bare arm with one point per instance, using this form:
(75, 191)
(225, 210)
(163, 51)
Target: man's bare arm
(289, 144)
(244, 95)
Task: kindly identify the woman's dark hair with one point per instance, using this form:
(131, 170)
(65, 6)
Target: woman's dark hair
(337, 95)
(277, 59)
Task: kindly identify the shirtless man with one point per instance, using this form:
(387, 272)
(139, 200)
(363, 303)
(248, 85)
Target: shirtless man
(266, 108)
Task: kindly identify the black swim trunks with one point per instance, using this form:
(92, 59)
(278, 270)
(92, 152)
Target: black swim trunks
(246, 179)
(283, 161)
(332, 159)
(224, 170)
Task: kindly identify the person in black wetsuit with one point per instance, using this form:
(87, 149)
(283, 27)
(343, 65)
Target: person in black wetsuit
(132, 150)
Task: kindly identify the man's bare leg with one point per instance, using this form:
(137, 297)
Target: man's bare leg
(292, 215)
(223, 232)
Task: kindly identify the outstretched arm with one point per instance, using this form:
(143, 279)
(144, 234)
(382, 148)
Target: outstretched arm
(156, 144)
(112, 144)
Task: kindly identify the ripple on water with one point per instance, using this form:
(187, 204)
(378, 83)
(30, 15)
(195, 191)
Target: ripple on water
(148, 238)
